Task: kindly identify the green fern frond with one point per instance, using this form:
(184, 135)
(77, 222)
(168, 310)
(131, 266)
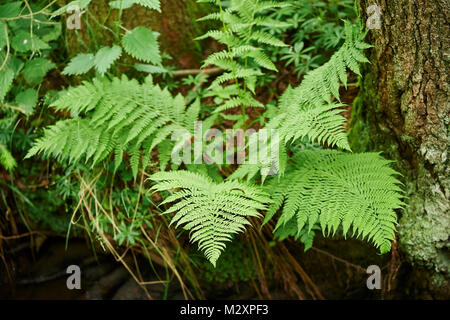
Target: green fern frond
(336, 189)
(119, 116)
(211, 212)
(309, 111)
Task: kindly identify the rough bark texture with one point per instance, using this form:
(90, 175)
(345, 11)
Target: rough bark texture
(403, 110)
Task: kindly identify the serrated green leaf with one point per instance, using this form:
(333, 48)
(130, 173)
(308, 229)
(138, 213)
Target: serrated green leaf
(23, 42)
(125, 4)
(105, 57)
(80, 64)
(36, 69)
(149, 68)
(27, 100)
(2, 37)
(6, 79)
(6, 159)
(142, 44)
(122, 4)
(82, 4)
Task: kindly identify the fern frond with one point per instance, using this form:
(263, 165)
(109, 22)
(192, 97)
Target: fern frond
(309, 111)
(245, 99)
(119, 116)
(335, 189)
(6, 158)
(266, 38)
(211, 212)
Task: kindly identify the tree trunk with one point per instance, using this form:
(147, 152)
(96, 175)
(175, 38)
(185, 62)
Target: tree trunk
(403, 110)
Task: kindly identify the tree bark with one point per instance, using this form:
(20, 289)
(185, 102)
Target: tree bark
(403, 110)
(176, 24)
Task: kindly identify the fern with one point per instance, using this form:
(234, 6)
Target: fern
(308, 110)
(35, 70)
(339, 189)
(242, 33)
(114, 117)
(211, 212)
(125, 4)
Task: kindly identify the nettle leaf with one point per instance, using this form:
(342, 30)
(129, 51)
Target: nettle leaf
(27, 100)
(7, 74)
(6, 79)
(36, 69)
(149, 68)
(23, 42)
(50, 33)
(141, 43)
(105, 57)
(80, 64)
(10, 10)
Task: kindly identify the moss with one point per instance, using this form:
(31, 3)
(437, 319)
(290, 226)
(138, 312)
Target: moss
(359, 135)
(425, 236)
(232, 265)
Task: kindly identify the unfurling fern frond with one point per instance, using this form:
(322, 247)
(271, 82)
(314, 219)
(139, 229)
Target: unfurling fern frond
(212, 212)
(335, 189)
(115, 116)
(308, 109)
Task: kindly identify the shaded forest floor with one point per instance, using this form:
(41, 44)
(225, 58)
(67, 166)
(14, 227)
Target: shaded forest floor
(336, 267)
